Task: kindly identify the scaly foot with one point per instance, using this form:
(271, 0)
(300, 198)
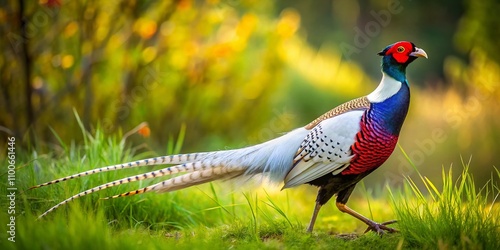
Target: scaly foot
(381, 228)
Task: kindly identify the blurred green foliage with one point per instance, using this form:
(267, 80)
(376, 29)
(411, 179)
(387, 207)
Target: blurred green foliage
(167, 63)
(238, 72)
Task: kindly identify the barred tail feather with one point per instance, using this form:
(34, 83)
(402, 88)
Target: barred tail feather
(187, 167)
(270, 158)
(188, 180)
(198, 177)
(170, 159)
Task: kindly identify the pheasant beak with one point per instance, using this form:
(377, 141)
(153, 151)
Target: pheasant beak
(418, 53)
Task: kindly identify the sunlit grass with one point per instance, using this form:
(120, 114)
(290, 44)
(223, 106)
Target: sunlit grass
(457, 215)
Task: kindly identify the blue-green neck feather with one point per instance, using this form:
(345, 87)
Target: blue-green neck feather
(394, 69)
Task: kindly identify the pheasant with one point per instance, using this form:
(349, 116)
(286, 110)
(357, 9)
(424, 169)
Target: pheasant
(333, 152)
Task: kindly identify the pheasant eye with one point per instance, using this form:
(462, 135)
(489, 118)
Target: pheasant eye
(401, 49)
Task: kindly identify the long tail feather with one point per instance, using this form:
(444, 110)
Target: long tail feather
(187, 167)
(270, 158)
(170, 159)
(187, 180)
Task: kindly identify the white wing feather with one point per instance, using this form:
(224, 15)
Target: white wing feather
(326, 149)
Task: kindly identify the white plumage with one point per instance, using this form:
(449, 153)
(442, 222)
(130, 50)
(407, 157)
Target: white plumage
(388, 87)
(326, 149)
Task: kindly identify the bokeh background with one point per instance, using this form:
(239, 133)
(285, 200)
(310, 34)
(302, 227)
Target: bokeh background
(239, 72)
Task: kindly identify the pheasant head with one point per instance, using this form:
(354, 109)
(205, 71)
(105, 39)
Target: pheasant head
(397, 56)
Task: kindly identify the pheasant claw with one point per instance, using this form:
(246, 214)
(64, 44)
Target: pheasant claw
(381, 228)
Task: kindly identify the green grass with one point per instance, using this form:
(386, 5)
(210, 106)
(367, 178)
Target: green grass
(221, 216)
(458, 215)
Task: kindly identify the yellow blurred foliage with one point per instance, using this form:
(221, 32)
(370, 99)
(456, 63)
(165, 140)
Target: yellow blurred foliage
(288, 23)
(149, 54)
(146, 28)
(324, 68)
(70, 29)
(67, 61)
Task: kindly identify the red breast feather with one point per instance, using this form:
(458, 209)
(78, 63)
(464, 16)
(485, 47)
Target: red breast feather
(371, 148)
